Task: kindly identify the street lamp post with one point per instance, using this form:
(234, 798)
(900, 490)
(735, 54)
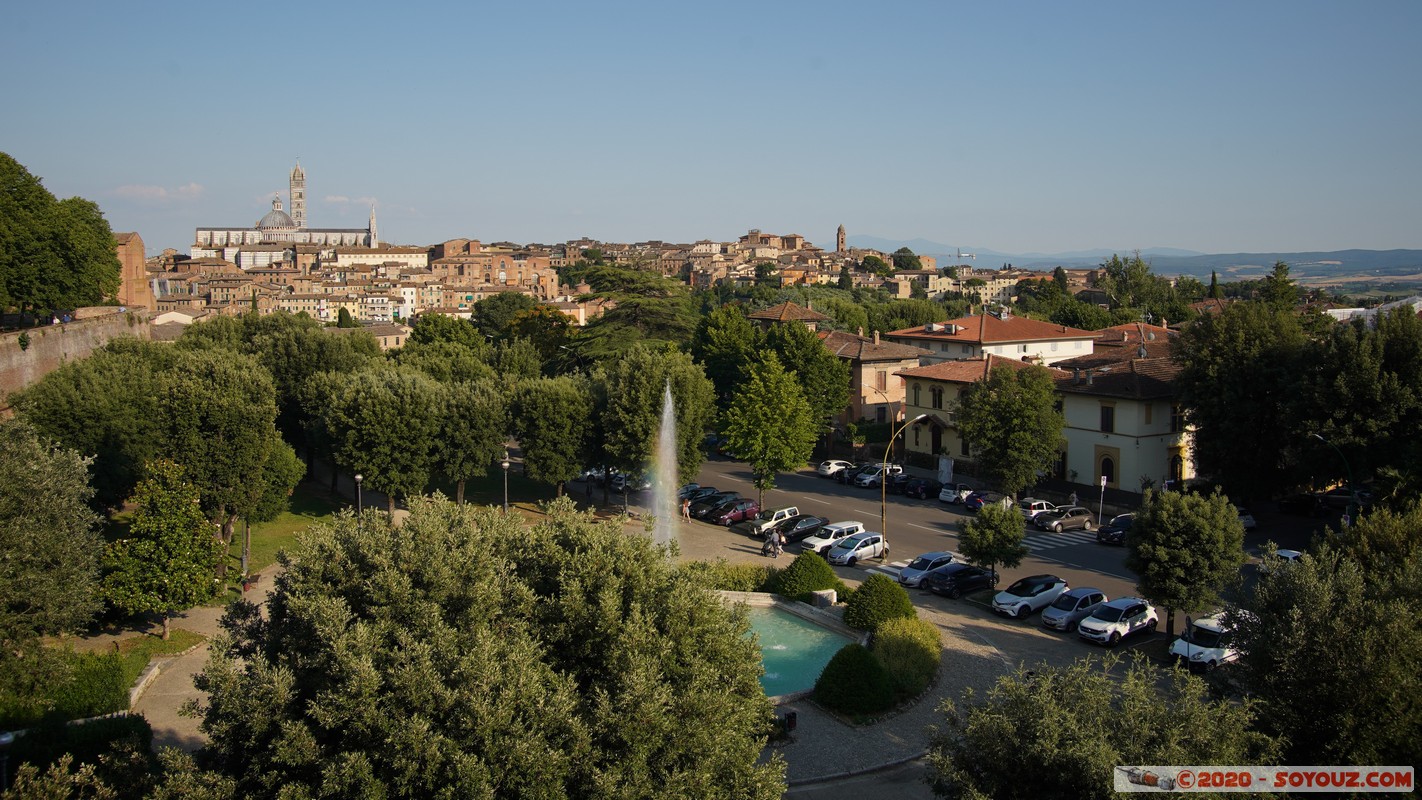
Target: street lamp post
(884, 478)
(1352, 510)
(505, 465)
(358, 479)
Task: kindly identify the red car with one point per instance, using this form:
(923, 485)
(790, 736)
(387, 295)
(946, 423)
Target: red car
(733, 512)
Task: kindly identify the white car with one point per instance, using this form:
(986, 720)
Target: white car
(1031, 507)
(913, 574)
(1206, 644)
(857, 548)
(830, 535)
(1283, 557)
(954, 493)
(828, 469)
(1246, 519)
(876, 474)
(1029, 594)
(1114, 621)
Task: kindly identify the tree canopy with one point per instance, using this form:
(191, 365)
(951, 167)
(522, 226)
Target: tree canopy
(54, 254)
(466, 655)
(1184, 549)
(770, 424)
(1012, 425)
(993, 537)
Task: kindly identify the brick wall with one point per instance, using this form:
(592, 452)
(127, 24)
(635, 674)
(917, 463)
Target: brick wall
(50, 346)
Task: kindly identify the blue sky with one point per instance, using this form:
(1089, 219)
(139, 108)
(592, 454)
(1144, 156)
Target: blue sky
(1018, 127)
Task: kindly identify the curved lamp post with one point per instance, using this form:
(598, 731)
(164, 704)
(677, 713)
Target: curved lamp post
(1352, 510)
(505, 465)
(884, 479)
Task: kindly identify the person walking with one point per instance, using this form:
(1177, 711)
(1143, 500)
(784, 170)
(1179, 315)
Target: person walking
(775, 544)
(1072, 499)
(686, 508)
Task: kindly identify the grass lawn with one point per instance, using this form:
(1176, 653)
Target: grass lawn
(310, 503)
(136, 651)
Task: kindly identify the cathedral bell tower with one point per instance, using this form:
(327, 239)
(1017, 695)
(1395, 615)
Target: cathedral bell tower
(298, 197)
(839, 240)
(373, 233)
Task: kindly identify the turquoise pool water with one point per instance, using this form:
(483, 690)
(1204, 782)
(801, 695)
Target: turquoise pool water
(794, 650)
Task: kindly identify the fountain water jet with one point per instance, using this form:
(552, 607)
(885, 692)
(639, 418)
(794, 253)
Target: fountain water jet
(665, 503)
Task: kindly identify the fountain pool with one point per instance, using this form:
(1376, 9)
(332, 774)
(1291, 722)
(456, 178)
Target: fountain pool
(794, 649)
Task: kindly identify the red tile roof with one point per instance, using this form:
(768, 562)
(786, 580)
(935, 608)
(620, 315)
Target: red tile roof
(969, 370)
(789, 312)
(862, 348)
(989, 329)
(1135, 379)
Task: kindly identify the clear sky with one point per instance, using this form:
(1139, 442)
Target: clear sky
(1018, 127)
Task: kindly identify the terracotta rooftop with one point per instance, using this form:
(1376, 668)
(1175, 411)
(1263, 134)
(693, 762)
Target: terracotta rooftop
(862, 348)
(1136, 379)
(789, 312)
(970, 370)
(990, 329)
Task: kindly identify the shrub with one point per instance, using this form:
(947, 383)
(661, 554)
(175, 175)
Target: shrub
(854, 682)
(909, 648)
(877, 600)
(725, 576)
(83, 685)
(86, 741)
(808, 573)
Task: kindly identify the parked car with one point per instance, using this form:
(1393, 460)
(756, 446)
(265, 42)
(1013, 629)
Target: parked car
(687, 490)
(858, 547)
(1206, 644)
(913, 574)
(1246, 519)
(847, 476)
(593, 474)
(1031, 507)
(622, 482)
(897, 483)
(1063, 519)
(1303, 504)
(875, 474)
(1071, 608)
(701, 493)
(797, 528)
(922, 488)
(1029, 594)
(954, 493)
(707, 504)
(735, 511)
(1114, 532)
(956, 579)
(771, 517)
(822, 540)
(1282, 558)
(1339, 497)
(983, 497)
(832, 467)
(1111, 622)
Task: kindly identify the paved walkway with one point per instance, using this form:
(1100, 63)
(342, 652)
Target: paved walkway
(821, 748)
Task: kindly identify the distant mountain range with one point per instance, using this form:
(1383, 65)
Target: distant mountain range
(1171, 260)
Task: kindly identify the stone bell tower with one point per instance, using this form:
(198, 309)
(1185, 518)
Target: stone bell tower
(839, 240)
(298, 197)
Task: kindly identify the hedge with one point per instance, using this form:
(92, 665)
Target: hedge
(725, 576)
(93, 685)
(86, 741)
(807, 574)
(877, 600)
(854, 682)
(909, 648)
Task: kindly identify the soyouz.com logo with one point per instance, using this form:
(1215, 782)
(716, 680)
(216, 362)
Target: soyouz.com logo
(1262, 779)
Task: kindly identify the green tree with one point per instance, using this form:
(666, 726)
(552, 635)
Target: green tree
(431, 328)
(551, 417)
(770, 424)
(1279, 291)
(875, 265)
(494, 316)
(1060, 281)
(384, 424)
(1012, 425)
(1329, 638)
(1059, 732)
(517, 359)
(546, 327)
(725, 345)
(54, 254)
(447, 361)
(823, 376)
(1184, 549)
(467, 655)
(628, 397)
(994, 536)
(474, 425)
(649, 308)
(1215, 291)
(166, 561)
(344, 318)
(50, 546)
(1236, 366)
(846, 276)
(904, 258)
(765, 274)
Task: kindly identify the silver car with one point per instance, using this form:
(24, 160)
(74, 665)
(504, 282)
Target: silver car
(1072, 607)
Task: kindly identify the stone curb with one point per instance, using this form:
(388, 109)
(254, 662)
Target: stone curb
(853, 773)
(151, 672)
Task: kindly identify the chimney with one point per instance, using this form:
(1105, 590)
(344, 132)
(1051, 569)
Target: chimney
(876, 338)
(1076, 376)
(1164, 323)
(861, 331)
(1090, 376)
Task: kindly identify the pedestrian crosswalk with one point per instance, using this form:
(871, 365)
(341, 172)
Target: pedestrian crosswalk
(1034, 541)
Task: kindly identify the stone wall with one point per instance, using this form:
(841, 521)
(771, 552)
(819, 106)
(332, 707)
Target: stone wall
(49, 346)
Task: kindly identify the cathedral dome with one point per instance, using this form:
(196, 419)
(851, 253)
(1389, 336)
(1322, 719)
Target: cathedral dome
(276, 218)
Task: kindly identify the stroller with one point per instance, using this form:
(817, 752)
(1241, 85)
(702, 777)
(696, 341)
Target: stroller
(772, 546)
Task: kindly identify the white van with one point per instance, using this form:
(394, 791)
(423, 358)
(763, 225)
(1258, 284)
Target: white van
(829, 535)
(1205, 644)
